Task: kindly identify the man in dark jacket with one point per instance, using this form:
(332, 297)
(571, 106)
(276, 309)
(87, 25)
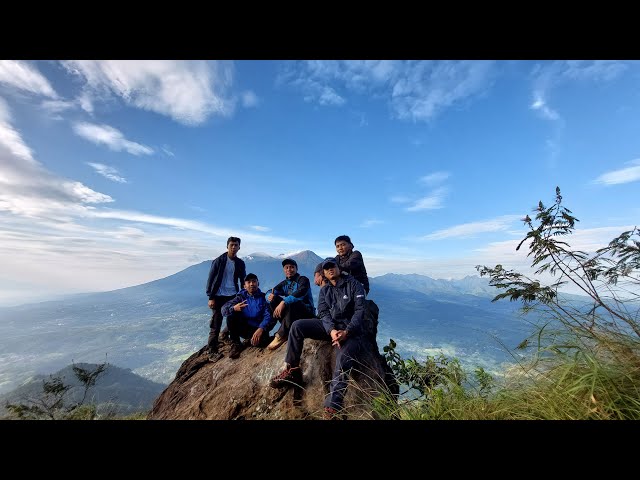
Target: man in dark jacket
(350, 261)
(248, 316)
(226, 276)
(290, 300)
(341, 308)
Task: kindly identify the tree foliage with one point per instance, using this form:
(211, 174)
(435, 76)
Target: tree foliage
(52, 403)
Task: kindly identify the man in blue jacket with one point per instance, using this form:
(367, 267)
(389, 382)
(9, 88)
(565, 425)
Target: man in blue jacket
(248, 316)
(226, 276)
(341, 321)
(290, 300)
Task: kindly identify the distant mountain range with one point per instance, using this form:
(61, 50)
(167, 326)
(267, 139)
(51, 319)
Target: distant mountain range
(117, 390)
(152, 328)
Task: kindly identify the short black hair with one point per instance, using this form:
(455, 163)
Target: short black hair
(289, 261)
(343, 237)
(233, 239)
(250, 276)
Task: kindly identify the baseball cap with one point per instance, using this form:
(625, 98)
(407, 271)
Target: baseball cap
(289, 261)
(328, 263)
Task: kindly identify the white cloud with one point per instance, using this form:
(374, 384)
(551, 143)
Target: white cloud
(540, 106)
(471, 229)
(109, 136)
(168, 151)
(21, 75)
(260, 228)
(107, 172)
(188, 91)
(430, 202)
(415, 90)
(434, 178)
(249, 99)
(548, 76)
(54, 107)
(399, 199)
(10, 138)
(623, 175)
(371, 223)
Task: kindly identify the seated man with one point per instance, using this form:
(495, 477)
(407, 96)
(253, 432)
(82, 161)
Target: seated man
(350, 261)
(290, 300)
(318, 276)
(248, 316)
(341, 307)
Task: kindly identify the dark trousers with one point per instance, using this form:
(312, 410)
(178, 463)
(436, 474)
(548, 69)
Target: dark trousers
(216, 321)
(346, 356)
(291, 312)
(238, 326)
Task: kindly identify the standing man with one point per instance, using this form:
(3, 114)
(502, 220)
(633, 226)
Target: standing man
(350, 261)
(341, 307)
(248, 316)
(225, 279)
(290, 300)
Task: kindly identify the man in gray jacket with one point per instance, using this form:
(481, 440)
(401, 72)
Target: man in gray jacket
(341, 321)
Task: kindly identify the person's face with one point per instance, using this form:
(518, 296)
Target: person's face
(251, 286)
(343, 247)
(318, 279)
(290, 270)
(232, 249)
(332, 273)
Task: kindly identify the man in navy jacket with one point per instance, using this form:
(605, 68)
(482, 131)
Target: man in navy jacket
(248, 316)
(341, 308)
(226, 276)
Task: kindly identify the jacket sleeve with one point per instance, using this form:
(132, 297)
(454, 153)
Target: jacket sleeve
(323, 311)
(211, 279)
(267, 322)
(227, 308)
(279, 288)
(356, 325)
(303, 287)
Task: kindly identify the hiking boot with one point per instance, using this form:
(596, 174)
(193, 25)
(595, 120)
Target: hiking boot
(277, 341)
(331, 414)
(236, 350)
(214, 355)
(224, 335)
(287, 378)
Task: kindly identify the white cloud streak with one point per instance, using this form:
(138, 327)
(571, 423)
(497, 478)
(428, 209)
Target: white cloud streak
(434, 178)
(370, 223)
(260, 228)
(21, 75)
(623, 175)
(430, 202)
(472, 229)
(107, 172)
(111, 137)
(188, 91)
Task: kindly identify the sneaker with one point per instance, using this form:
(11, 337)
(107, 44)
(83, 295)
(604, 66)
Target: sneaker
(287, 378)
(277, 341)
(236, 350)
(330, 414)
(214, 355)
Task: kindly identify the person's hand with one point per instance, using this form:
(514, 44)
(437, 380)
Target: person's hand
(257, 335)
(277, 312)
(212, 304)
(335, 338)
(270, 297)
(239, 306)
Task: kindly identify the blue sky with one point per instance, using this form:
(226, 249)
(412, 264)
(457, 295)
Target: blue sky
(115, 173)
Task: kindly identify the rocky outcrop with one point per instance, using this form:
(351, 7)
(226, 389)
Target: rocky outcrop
(239, 389)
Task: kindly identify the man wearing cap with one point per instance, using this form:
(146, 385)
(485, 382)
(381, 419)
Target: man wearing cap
(318, 276)
(248, 316)
(290, 300)
(341, 321)
(350, 261)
